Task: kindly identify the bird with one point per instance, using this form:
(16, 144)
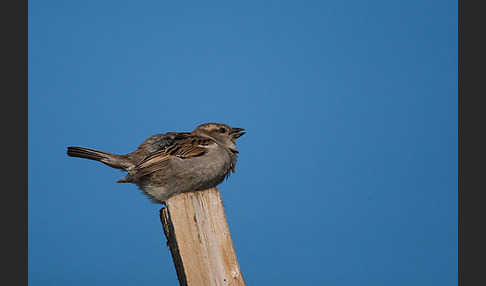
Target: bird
(171, 163)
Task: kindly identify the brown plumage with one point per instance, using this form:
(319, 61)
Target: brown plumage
(175, 162)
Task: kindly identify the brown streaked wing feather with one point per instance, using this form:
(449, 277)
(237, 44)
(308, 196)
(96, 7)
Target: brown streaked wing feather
(156, 165)
(189, 147)
(152, 159)
(184, 148)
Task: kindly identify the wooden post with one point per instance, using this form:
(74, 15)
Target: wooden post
(199, 239)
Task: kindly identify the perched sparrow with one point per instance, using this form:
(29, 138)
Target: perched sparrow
(175, 162)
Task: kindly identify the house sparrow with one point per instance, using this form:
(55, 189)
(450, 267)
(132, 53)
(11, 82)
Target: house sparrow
(175, 162)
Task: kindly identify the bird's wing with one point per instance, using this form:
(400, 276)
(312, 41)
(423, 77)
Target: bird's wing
(159, 141)
(184, 147)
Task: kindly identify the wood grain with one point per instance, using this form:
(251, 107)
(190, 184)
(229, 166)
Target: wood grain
(199, 239)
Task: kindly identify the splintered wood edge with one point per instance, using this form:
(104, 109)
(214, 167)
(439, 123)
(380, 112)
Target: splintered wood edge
(172, 243)
(204, 205)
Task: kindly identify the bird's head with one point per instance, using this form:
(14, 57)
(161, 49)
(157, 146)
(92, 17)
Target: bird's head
(222, 133)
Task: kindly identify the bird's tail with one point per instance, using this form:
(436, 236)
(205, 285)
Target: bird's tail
(112, 160)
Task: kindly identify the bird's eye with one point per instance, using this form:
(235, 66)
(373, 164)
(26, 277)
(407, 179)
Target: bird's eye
(222, 130)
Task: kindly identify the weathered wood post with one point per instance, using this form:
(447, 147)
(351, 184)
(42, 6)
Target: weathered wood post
(199, 239)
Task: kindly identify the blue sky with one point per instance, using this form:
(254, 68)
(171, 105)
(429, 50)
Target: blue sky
(348, 173)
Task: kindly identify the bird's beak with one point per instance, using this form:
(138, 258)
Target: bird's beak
(237, 132)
